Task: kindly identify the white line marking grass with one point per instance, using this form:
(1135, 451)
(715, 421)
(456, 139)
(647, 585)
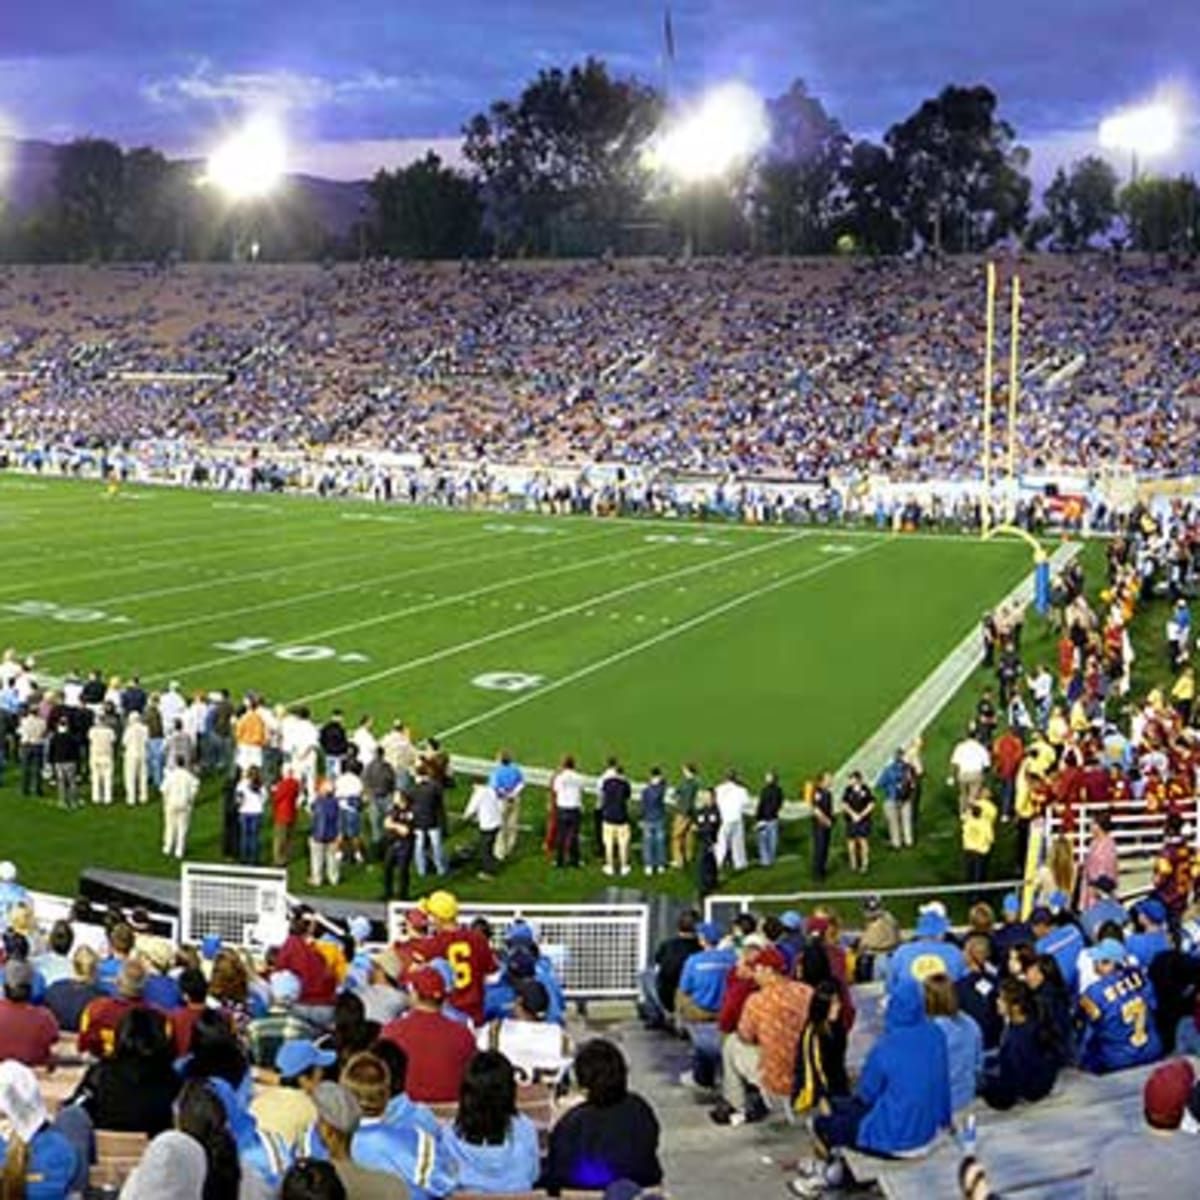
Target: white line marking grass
(709, 614)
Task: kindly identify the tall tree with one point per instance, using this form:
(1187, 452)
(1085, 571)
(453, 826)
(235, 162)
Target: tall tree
(426, 210)
(569, 146)
(796, 196)
(89, 192)
(963, 175)
(1082, 202)
(149, 216)
(872, 186)
(1163, 214)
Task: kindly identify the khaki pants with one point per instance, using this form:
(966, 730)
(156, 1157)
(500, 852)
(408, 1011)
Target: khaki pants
(969, 787)
(683, 840)
(175, 830)
(506, 842)
(281, 845)
(102, 780)
(740, 1066)
(616, 844)
(686, 1009)
(135, 779)
(324, 862)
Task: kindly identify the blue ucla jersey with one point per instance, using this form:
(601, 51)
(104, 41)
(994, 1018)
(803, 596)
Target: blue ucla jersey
(1120, 1031)
(925, 957)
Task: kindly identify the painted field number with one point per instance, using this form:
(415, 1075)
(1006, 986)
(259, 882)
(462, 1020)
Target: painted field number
(50, 611)
(298, 654)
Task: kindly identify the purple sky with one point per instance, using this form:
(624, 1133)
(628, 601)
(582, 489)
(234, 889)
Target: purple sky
(366, 82)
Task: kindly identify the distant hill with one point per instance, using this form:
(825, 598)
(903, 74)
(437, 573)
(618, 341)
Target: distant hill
(27, 171)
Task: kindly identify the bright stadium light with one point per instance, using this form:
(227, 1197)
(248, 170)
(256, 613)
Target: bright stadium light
(727, 126)
(1149, 130)
(250, 163)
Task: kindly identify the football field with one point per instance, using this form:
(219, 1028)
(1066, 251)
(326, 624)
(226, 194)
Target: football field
(657, 641)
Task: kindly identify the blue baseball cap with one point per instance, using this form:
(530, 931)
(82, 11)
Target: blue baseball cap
(210, 945)
(932, 925)
(294, 1058)
(709, 932)
(519, 931)
(791, 919)
(1058, 901)
(1012, 904)
(1153, 909)
(1109, 951)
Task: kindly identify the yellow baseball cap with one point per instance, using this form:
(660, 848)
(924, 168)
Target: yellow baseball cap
(441, 906)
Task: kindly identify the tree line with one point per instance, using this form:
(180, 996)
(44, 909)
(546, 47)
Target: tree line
(561, 170)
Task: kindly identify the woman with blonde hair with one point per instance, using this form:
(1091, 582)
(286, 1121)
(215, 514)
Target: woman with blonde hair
(1057, 873)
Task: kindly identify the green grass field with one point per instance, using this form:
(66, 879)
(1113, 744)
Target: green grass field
(656, 641)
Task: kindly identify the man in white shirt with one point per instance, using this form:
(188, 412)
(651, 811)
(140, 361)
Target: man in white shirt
(399, 752)
(172, 706)
(733, 802)
(364, 741)
(969, 762)
(179, 790)
(102, 742)
(300, 738)
(134, 742)
(567, 790)
(486, 810)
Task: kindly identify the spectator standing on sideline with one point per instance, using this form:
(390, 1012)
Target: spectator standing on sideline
(822, 825)
(485, 809)
(858, 803)
(379, 784)
(334, 743)
(348, 788)
(567, 789)
(1007, 752)
(508, 781)
(400, 839)
(733, 802)
(968, 764)
(31, 731)
(134, 740)
(179, 789)
(427, 798)
(285, 803)
(250, 804)
(324, 864)
(766, 819)
(683, 835)
(102, 741)
(707, 825)
(895, 784)
(63, 754)
(615, 794)
(978, 837)
(654, 824)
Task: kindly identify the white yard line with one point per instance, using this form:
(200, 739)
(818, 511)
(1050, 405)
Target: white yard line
(412, 610)
(919, 709)
(307, 597)
(709, 614)
(536, 622)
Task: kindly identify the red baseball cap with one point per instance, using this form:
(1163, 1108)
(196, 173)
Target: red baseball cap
(772, 958)
(428, 984)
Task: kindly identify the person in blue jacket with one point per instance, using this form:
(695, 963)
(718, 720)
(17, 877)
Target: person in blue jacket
(902, 1101)
(1150, 938)
(702, 984)
(52, 1164)
(1118, 1013)
(929, 953)
(1062, 940)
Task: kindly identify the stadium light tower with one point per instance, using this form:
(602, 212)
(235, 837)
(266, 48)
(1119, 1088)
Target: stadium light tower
(1149, 130)
(250, 163)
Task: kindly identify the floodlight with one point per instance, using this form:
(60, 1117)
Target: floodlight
(251, 162)
(728, 125)
(1147, 130)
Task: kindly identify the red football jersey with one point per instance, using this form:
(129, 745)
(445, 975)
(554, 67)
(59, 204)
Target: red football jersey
(471, 958)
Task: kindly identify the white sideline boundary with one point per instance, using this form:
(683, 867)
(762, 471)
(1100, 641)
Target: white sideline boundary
(665, 635)
(537, 622)
(922, 705)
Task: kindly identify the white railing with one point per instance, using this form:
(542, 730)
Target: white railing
(243, 906)
(1137, 829)
(598, 950)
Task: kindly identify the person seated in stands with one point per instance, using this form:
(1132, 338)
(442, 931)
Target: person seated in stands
(659, 984)
(1059, 936)
(36, 1161)
(902, 1100)
(1149, 938)
(121, 939)
(203, 1115)
(762, 1052)
(408, 1151)
(964, 1040)
(880, 936)
(494, 1148)
(1012, 931)
(1160, 1159)
(612, 1135)
(820, 1072)
(1118, 1014)
(1053, 1002)
(401, 1108)
(524, 960)
(702, 984)
(67, 998)
(287, 1110)
(173, 1165)
(978, 990)
(100, 1020)
(1104, 907)
(538, 1049)
(929, 953)
(352, 1033)
(27, 1033)
(193, 988)
(134, 1090)
(437, 1047)
(339, 1116)
(1026, 1066)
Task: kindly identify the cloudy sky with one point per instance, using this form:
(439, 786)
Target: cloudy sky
(364, 83)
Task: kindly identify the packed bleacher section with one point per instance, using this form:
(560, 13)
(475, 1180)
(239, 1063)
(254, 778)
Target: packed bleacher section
(797, 369)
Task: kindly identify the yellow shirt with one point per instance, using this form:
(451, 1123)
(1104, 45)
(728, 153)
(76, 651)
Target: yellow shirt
(1185, 688)
(978, 833)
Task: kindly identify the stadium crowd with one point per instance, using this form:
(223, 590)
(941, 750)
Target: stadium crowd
(793, 369)
(319, 1070)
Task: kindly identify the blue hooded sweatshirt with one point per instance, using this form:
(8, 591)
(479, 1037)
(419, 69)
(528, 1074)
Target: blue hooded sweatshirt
(510, 1167)
(906, 1078)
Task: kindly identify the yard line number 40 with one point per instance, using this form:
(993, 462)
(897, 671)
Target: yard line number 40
(296, 654)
